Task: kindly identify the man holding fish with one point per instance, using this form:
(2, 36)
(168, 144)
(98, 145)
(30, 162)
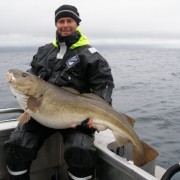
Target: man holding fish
(69, 61)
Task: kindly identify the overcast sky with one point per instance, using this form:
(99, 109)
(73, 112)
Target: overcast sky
(31, 22)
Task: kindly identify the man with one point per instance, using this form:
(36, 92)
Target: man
(69, 61)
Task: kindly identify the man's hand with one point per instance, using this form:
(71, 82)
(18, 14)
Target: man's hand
(87, 127)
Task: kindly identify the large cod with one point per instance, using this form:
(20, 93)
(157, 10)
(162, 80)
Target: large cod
(60, 108)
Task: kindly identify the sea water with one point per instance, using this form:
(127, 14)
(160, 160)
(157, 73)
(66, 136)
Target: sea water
(147, 88)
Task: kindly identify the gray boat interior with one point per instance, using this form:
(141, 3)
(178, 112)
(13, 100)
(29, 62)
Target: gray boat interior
(50, 164)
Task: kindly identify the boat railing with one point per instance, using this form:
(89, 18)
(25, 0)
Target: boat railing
(9, 111)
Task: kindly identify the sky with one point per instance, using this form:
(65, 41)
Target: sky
(154, 22)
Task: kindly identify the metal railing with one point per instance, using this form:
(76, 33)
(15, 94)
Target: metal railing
(10, 110)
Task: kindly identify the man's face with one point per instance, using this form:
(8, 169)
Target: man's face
(66, 26)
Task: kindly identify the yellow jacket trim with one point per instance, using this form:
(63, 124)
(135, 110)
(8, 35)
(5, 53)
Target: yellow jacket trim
(82, 41)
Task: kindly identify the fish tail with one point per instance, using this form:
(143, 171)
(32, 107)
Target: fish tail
(142, 158)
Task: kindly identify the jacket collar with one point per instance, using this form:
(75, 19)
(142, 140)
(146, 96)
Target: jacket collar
(72, 41)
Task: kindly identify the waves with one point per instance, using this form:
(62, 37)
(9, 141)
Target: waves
(146, 88)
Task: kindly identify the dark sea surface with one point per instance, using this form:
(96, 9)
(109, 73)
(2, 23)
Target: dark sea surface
(147, 88)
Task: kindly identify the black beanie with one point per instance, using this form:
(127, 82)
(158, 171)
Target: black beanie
(67, 11)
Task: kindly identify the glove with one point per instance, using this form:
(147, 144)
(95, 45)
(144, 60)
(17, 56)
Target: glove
(86, 126)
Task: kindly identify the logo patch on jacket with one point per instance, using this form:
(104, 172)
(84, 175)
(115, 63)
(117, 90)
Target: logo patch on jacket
(72, 61)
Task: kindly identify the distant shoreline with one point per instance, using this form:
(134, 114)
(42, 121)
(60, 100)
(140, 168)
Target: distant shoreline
(15, 49)
(98, 46)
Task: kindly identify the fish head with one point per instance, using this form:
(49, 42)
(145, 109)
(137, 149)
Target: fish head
(22, 82)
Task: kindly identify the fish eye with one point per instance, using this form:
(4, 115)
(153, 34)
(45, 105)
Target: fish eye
(24, 74)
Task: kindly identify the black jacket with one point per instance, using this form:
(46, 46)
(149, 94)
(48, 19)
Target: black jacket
(82, 67)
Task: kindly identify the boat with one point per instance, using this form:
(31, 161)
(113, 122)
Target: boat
(114, 163)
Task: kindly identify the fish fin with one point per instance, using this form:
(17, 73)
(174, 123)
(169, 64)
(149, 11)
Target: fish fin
(100, 127)
(95, 97)
(130, 120)
(121, 141)
(149, 154)
(74, 126)
(71, 90)
(34, 103)
(24, 118)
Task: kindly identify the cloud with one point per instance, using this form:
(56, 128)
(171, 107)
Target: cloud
(31, 22)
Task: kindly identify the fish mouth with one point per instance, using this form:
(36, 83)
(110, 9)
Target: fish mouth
(10, 77)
